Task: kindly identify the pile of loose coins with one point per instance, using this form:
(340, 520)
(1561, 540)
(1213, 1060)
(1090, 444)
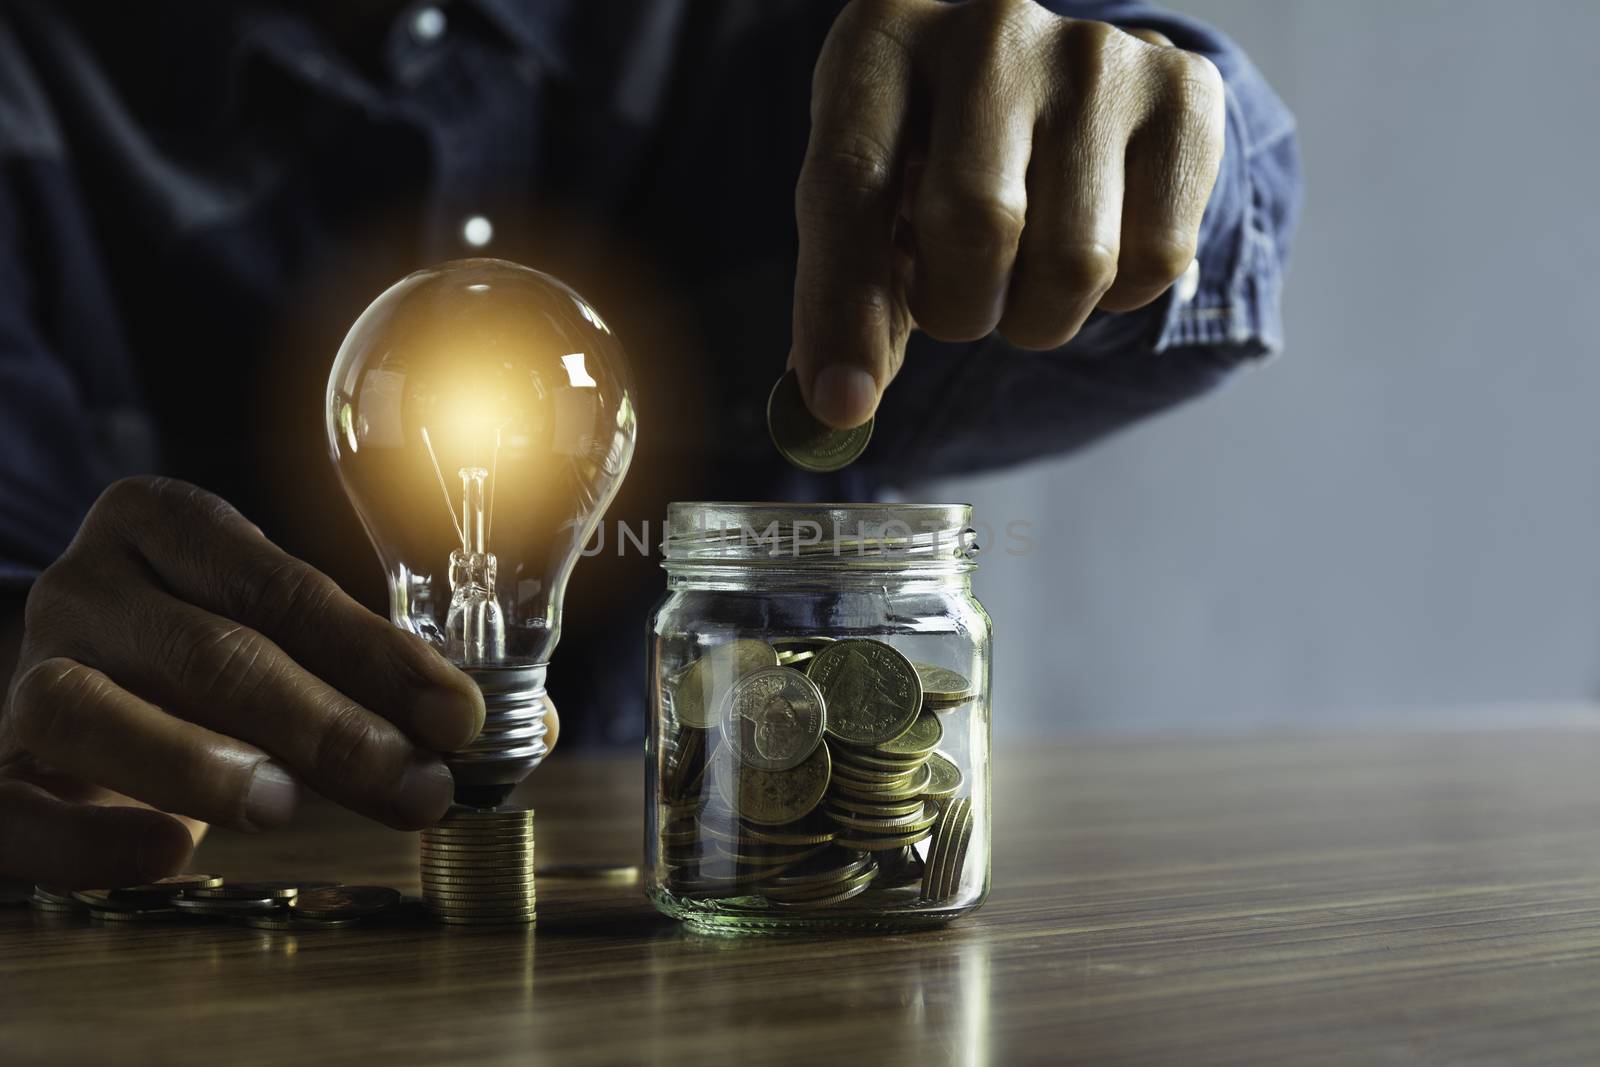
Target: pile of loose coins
(477, 867)
(297, 906)
(807, 772)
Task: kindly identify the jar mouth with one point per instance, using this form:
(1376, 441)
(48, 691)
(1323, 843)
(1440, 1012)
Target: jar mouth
(823, 533)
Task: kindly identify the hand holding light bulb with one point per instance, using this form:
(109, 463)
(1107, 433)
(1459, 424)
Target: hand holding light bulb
(175, 659)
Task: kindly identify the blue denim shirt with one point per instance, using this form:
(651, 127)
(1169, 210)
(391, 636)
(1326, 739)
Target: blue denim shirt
(197, 199)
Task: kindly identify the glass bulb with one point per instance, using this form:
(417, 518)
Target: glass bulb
(481, 420)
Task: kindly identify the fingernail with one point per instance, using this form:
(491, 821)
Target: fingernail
(426, 790)
(843, 396)
(448, 718)
(272, 796)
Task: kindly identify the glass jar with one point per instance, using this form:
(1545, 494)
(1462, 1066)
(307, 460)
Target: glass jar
(818, 751)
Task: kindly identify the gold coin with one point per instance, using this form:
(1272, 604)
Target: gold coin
(874, 760)
(478, 874)
(696, 698)
(941, 833)
(773, 718)
(823, 895)
(878, 844)
(945, 777)
(863, 776)
(528, 918)
(94, 898)
(873, 810)
(923, 737)
(133, 915)
(808, 643)
(830, 866)
(870, 689)
(175, 884)
(883, 791)
(824, 902)
(681, 831)
(434, 886)
(956, 852)
(40, 904)
(799, 834)
(459, 861)
(344, 902)
(946, 840)
(803, 439)
(54, 896)
(773, 798)
(872, 826)
(684, 761)
(276, 890)
(478, 833)
(457, 828)
(479, 901)
(484, 834)
(470, 853)
(805, 832)
(943, 684)
(746, 857)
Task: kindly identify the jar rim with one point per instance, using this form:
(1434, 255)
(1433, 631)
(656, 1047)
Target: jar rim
(875, 534)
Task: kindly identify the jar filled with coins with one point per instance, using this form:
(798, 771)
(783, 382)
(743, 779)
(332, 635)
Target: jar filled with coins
(818, 752)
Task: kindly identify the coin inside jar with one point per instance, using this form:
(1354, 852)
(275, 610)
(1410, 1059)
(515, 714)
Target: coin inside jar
(871, 691)
(773, 798)
(773, 718)
(695, 696)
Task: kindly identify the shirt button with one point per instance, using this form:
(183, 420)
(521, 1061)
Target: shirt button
(427, 25)
(477, 231)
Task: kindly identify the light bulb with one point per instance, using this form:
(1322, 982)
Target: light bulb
(481, 420)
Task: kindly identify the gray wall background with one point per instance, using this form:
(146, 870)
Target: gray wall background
(1399, 519)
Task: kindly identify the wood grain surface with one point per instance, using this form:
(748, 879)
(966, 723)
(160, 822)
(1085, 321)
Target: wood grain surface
(1375, 899)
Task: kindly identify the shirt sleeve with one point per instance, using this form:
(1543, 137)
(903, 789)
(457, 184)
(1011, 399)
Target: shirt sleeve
(70, 421)
(967, 407)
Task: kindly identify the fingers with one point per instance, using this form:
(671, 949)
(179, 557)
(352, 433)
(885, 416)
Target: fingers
(1173, 161)
(971, 201)
(79, 722)
(1069, 251)
(78, 846)
(850, 326)
(221, 562)
(226, 677)
(1122, 170)
(552, 724)
(1155, 37)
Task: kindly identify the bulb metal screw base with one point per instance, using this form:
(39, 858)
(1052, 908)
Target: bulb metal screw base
(511, 743)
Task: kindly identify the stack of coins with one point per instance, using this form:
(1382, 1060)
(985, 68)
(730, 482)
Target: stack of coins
(477, 867)
(807, 772)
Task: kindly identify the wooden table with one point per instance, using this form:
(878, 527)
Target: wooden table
(1384, 898)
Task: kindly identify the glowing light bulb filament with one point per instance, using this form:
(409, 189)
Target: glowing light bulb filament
(475, 625)
(456, 522)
